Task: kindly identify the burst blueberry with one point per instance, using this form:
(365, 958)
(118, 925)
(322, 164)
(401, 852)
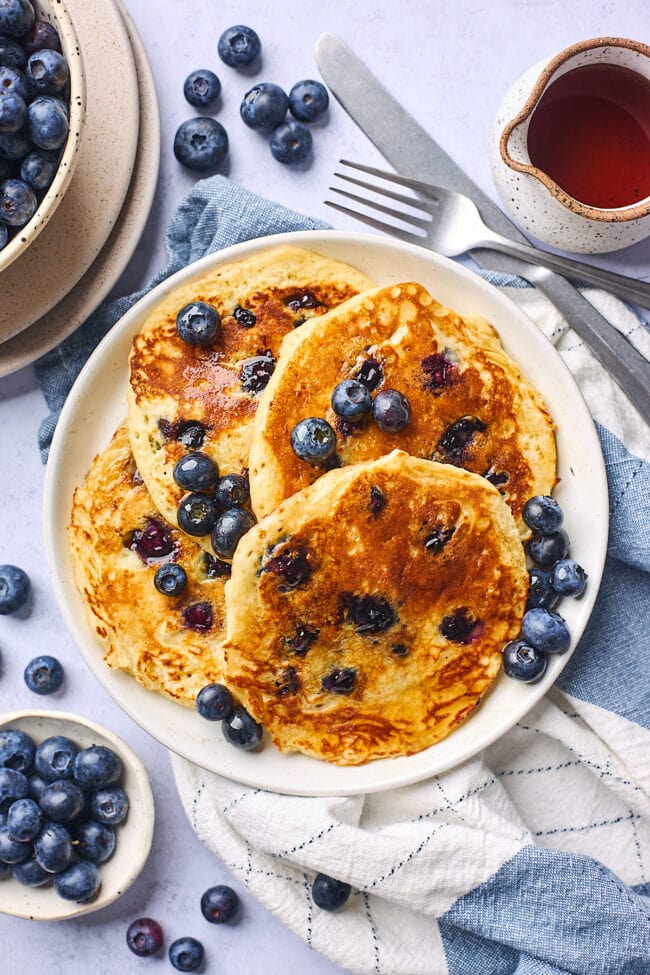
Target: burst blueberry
(340, 681)
(109, 805)
(197, 514)
(569, 578)
(47, 120)
(153, 543)
(543, 514)
(220, 904)
(198, 323)
(17, 750)
(256, 372)
(53, 848)
(328, 893)
(201, 144)
(264, 106)
(55, 758)
(351, 399)
(547, 631)
(24, 820)
(47, 72)
(80, 882)
(313, 440)
(391, 410)
(196, 472)
(61, 801)
(144, 936)
(241, 729)
(238, 46)
(523, 662)
(228, 529)
(214, 702)
(202, 87)
(97, 767)
(291, 143)
(170, 579)
(546, 550)
(308, 100)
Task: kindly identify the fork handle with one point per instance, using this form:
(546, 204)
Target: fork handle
(638, 292)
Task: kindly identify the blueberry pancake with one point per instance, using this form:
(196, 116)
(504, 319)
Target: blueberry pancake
(203, 397)
(367, 614)
(118, 541)
(470, 406)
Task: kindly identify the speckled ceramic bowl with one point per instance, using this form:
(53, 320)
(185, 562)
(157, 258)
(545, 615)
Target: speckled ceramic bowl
(134, 835)
(56, 13)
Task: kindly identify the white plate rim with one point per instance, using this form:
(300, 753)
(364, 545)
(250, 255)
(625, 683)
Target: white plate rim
(287, 773)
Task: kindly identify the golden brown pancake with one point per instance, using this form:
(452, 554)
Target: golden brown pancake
(471, 407)
(117, 541)
(184, 397)
(367, 614)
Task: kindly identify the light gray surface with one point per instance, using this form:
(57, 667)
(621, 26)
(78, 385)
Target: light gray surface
(450, 64)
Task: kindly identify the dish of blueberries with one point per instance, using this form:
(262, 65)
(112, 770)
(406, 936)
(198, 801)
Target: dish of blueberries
(569, 534)
(76, 815)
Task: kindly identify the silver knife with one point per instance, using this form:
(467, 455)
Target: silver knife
(413, 153)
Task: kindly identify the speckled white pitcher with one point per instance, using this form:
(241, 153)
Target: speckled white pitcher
(534, 199)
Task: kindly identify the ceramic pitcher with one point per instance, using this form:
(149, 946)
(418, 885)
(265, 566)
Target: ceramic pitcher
(531, 196)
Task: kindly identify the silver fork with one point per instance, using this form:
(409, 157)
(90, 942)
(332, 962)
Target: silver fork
(450, 224)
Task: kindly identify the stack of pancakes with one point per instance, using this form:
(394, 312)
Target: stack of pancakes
(365, 613)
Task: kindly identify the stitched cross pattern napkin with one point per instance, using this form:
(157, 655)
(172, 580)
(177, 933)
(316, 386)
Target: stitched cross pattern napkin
(532, 858)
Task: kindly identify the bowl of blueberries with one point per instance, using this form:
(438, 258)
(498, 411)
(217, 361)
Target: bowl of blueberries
(42, 112)
(76, 815)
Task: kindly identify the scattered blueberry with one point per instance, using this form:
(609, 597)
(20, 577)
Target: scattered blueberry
(144, 936)
(569, 578)
(264, 106)
(238, 46)
(391, 410)
(546, 631)
(39, 168)
(198, 323)
(340, 681)
(186, 954)
(523, 662)
(30, 873)
(47, 121)
(198, 617)
(232, 491)
(543, 514)
(109, 805)
(53, 848)
(202, 87)
(256, 372)
(214, 702)
(351, 399)
(196, 472)
(291, 143)
(97, 767)
(241, 730)
(540, 590)
(13, 112)
(201, 143)
(329, 894)
(41, 34)
(61, 801)
(13, 785)
(47, 72)
(308, 100)
(80, 882)
(11, 850)
(55, 757)
(313, 440)
(170, 579)
(228, 529)
(153, 543)
(17, 202)
(44, 675)
(220, 904)
(17, 750)
(16, 17)
(546, 550)
(24, 820)
(93, 841)
(197, 514)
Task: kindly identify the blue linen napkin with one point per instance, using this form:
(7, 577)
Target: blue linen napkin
(519, 896)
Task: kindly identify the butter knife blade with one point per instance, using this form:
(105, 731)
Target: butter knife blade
(414, 153)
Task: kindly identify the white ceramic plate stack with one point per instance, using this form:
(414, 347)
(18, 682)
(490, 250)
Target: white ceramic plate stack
(75, 261)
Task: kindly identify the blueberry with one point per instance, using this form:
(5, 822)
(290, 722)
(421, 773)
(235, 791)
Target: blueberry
(39, 168)
(17, 750)
(11, 850)
(110, 805)
(543, 514)
(13, 112)
(201, 143)
(540, 590)
(215, 568)
(198, 617)
(17, 203)
(14, 82)
(569, 578)
(313, 440)
(202, 87)
(30, 873)
(329, 894)
(53, 848)
(546, 550)
(15, 588)
(198, 323)
(190, 433)
(291, 143)
(16, 17)
(256, 372)
(196, 472)
(308, 100)
(232, 491)
(391, 410)
(238, 46)
(41, 34)
(4, 235)
(13, 785)
(186, 954)
(36, 787)
(264, 106)
(61, 801)
(97, 767)
(220, 904)
(144, 936)
(47, 120)
(93, 841)
(546, 631)
(197, 514)
(214, 702)
(170, 579)
(80, 882)
(44, 675)
(228, 529)
(24, 820)
(241, 730)
(351, 399)
(12, 54)
(55, 757)
(47, 72)
(340, 681)
(523, 662)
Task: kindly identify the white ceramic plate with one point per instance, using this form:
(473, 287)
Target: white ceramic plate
(97, 403)
(134, 835)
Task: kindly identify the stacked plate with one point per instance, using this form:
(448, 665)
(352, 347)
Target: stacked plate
(75, 261)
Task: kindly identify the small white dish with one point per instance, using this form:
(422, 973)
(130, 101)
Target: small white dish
(134, 835)
(97, 404)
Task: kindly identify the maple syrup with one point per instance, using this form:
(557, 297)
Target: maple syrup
(591, 134)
